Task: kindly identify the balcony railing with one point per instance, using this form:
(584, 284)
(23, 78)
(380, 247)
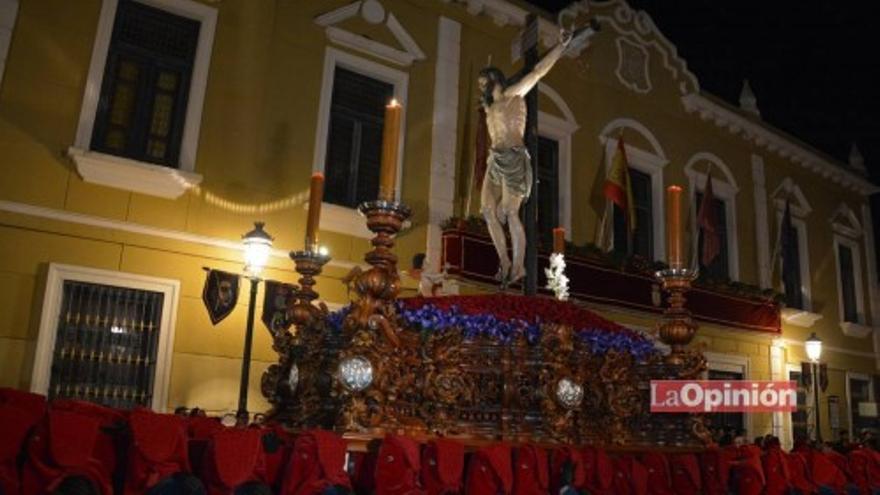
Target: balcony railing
(471, 256)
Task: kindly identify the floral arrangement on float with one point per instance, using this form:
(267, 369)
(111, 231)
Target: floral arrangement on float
(504, 318)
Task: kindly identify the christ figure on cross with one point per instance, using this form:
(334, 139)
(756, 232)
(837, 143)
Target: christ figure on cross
(508, 177)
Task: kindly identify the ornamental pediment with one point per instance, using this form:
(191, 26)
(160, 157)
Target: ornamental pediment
(368, 27)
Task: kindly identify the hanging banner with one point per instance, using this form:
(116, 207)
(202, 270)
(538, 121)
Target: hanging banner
(277, 298)
(220, 294)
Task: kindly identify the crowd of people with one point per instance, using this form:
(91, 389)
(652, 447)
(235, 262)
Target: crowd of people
(77, 448)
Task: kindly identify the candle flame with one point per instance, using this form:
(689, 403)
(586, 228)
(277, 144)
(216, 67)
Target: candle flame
(318, 175)
(394, 103)
(674, 188)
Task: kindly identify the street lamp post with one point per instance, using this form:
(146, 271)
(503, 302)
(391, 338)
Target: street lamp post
(814, 352)
(257, 246)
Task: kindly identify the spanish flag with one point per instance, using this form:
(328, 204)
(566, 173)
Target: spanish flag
(618, 188)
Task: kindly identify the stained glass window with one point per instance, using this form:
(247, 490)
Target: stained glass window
(146, 83)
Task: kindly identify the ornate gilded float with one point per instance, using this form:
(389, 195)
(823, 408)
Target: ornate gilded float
(490, 367)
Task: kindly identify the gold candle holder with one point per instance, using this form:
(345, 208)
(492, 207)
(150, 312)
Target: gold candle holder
(678, 327)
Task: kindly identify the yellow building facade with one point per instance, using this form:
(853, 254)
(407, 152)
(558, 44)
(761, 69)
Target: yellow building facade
(257, 118)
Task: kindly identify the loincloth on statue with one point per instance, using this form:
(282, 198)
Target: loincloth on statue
(511, 167)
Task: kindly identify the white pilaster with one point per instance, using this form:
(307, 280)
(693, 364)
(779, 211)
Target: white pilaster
(777, 373)
(8, 13)
(443, 136)
(871, 268)
(762, 233)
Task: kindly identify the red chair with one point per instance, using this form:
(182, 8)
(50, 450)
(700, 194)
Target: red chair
(659, 473)
(531, 474)
(33, 404)
(234, 458)
(748, 471)
(825, 472)
(15, 424)
(686, 478)
(158, 450)
(776, 472)
(798, 473)
(630, 476)
(598, 469)
(442, 466)
(397, 467)
(277, 444)
(66, 446)
(317, 463)
(490, 471)
(715, 463)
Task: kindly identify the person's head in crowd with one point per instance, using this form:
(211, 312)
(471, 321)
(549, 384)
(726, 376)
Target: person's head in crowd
(197, 412)
(181, 411)
(843, 436)
(759, 441)
(725, 440)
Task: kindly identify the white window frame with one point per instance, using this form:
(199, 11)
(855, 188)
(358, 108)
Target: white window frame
(732, 363)
(725, 192)
(134, 175)
(558, 130)
(851, 328)
(653, 165)
(871, 398)
(52, 299)
(336, 218)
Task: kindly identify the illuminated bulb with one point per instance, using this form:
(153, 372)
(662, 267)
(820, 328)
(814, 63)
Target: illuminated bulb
(323, 251)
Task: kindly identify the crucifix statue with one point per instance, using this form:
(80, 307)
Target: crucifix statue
(510, 109)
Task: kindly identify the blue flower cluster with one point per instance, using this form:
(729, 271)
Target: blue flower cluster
(431, 318)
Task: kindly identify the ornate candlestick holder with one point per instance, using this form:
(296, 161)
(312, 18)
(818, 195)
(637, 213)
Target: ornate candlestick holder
(309, 265)
(678, 327)
(371, 366)
(385, 219)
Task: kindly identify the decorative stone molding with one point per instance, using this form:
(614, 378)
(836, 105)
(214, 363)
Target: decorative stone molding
(855, 330)
(772, 140)
(372, 12)
(844, 221)
(798, 203)
(748, 101)
(799, 317)
(856, 160)
(633, 61)
(132, 175)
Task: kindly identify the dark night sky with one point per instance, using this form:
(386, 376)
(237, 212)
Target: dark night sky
(814, 66)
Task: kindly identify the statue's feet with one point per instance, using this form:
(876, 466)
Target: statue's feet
(502, 273)
(516, 274)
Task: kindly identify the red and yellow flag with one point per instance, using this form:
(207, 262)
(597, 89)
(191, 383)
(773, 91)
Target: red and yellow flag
(618, 188)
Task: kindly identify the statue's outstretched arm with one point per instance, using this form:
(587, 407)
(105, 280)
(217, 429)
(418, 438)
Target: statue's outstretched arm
(524, 85)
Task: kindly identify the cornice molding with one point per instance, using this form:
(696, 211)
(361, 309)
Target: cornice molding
(771, 140)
